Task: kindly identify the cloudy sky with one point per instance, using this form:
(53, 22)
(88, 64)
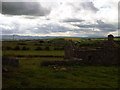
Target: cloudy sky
(81, 18)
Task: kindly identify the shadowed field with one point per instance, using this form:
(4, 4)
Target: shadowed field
(30, 73)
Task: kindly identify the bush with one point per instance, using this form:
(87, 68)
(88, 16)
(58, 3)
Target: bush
(37, 44)
(38, 48)
(6, 60)
(17, 48)
(41, 41)
(25, 48)
(58, 48)
(7, 48)
(22, 44)
(47, 48)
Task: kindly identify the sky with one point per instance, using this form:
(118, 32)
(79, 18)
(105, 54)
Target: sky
(73, 18)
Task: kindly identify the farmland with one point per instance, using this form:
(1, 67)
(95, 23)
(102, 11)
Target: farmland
(31, 74)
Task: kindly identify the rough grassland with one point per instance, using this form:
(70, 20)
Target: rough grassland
(31, 75)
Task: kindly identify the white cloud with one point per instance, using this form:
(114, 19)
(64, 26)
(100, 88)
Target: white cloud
(65, 19)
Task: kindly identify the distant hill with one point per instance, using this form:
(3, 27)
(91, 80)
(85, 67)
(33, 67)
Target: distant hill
(19, 37)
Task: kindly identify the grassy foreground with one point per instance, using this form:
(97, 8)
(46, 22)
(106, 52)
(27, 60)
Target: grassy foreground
(30, 74)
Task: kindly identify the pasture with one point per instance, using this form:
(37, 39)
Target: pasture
(30, 73)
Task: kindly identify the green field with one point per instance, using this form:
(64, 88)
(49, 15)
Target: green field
(31, 52)
(30, 73)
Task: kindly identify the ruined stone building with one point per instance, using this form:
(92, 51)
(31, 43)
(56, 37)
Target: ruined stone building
(107, 54)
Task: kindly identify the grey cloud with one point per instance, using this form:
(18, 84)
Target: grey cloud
(4, 31)
(50, 28)
(89, 6)
(30, 17)
(90, 33)
(100, 25)
(54, 28)
(73, 20)
(109, 27)
(85, 26)
(37, 29)
(24, 8)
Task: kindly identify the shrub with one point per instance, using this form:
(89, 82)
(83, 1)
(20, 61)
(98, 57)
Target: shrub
(37, 44)
(41, 41)
(47, 48)
(7, 48)
(17, 48)
(25, 48)
(22, 44)
(6, 60)
(59, 48)
(38, 48)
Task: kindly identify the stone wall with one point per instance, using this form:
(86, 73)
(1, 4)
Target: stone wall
(69, 50)
(107, 55)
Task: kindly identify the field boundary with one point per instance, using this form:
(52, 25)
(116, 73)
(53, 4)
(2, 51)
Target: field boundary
(39, 56)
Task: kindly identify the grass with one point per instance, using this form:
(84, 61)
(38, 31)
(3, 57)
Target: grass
(30, 74)
(32, 52)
